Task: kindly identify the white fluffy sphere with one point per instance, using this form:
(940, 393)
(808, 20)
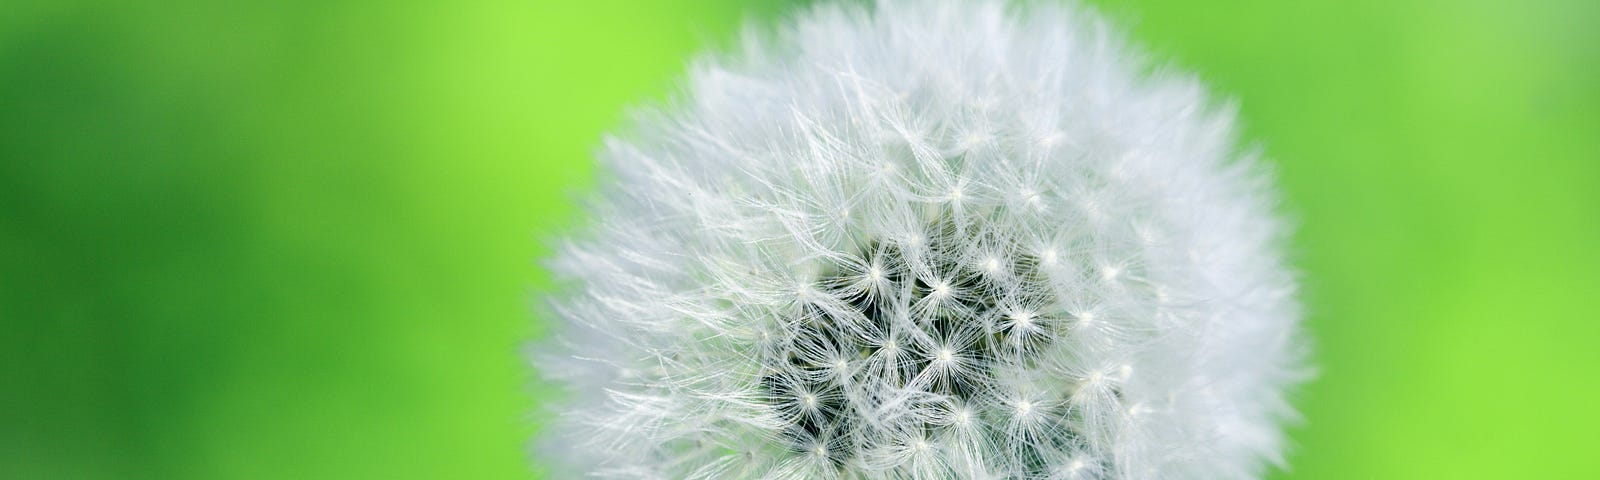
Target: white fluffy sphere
(927, 240)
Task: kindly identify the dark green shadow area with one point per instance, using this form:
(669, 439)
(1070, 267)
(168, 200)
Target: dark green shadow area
(296, 239)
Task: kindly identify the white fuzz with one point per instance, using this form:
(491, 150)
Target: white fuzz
(927, 240)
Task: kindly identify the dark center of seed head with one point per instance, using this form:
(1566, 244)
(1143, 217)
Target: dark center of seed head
(824, 398)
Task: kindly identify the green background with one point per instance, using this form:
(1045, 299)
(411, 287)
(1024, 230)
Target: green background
(299, 239)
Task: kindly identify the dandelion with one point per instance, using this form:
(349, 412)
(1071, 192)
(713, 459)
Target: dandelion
(926, 240)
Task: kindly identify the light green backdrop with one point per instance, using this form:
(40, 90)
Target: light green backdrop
(298, 239)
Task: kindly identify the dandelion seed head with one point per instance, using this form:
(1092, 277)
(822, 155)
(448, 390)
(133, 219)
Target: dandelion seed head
(926, 239)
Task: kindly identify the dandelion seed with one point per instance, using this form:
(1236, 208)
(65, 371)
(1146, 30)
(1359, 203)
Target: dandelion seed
(1049, 256)
(1021, 319)
(1110, 273)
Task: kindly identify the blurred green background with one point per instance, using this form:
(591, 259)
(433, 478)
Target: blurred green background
(287, 239)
